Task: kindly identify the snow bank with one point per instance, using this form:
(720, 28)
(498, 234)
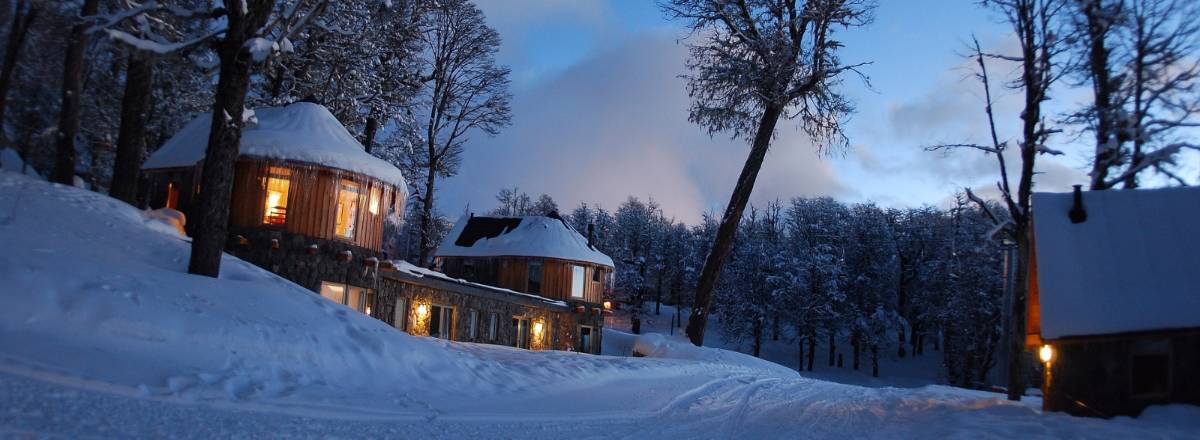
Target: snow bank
(660, 346)
(302, 131)
(1131, 266)
(535, 236)
(11, 161)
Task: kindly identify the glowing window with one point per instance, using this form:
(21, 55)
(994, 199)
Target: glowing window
(334, 292)
(275, 208)
(347, 209)
(172, 195)
(374, 204)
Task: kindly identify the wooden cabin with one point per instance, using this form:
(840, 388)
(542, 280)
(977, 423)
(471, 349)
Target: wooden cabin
(1114, 299)
(308, 201)
(538, 255)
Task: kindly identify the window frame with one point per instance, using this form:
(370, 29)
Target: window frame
(279, 174)
(1151, 348)
(445, 321)
(472, 323)
(352, 226)
(532, 286)
(591, 339)
(400, 315)
(363, 294)
(493, 326)
(581, 271)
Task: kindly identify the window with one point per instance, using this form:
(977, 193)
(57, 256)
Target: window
(373, 206)
(577, 280)
(275, 209)
(520, 332)
(596, 274)
(357, 298)
(400, 317)
(535, 276)
(1150, 369)
(493, 325)
(441, 321)
(585, 339)
(472, 323)
(347, 209)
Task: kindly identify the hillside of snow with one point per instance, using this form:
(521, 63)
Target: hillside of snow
(103, 334)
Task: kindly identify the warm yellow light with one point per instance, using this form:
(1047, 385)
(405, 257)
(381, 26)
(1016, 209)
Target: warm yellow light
(537, 327)
(421, 310)
(608, 305)
(1046, 353)
(373, 206)
(368, 310)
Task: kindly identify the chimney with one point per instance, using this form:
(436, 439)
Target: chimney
(1077, 213)
(591, 233)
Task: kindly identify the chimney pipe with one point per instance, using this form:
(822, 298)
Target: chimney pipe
(1077, 213)
(591, 233)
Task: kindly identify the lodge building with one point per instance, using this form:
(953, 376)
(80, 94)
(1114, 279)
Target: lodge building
(1114, 299)
(309, 204)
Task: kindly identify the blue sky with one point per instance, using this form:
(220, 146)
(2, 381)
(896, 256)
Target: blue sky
(600, 114)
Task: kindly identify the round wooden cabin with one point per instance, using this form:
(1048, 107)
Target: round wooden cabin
(299, 172)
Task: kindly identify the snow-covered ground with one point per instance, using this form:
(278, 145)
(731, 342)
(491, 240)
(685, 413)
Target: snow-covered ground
(103, 334)
(908, 372)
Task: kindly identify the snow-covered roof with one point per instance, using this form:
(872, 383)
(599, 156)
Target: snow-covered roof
(529, 236)
(420, 272)
(302, 131)
(1132, 265)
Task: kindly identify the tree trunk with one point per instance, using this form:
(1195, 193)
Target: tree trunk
(72, 87)
(812, 349)
(1102, 89)
(775, 327)
(729, 223)
(874, 360)
(22, 18)
(800, 351)
(1016, 377)
(139, 81)
(658, 297)
(369, 133)
(900, 352)
(854, 344)
(427, 215)
(758, 331)
(832, 348)
(224, 136)
(912, 339)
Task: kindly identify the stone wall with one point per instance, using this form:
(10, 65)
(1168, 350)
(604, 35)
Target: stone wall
(294, 257)
(1094, 377)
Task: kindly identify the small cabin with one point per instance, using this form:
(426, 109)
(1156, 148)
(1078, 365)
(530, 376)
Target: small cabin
(1114, 299)
(308, 201)
(538, 255)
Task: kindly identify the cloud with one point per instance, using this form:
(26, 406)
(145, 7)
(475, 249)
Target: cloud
(616, 125)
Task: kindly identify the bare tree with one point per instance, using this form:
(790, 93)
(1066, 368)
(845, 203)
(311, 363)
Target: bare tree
(1138, 58)
(1035, 24)
(466, 91)
(24, 15)
(753, 62)
(72, 88)
(1163, 86)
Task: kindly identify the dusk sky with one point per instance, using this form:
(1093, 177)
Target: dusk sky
(600, 113)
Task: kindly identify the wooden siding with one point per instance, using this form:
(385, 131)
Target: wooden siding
(311, 205)
(513, 273)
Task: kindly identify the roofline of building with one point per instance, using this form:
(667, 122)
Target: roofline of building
(1124, 335)
(478, 289)
(593, 263)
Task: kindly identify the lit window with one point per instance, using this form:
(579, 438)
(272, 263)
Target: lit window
(357, 298)
(334, 292)
(577, 279)
(275, 210)
(347, 209)
(373, 206)
(535, 276)
(172, 195)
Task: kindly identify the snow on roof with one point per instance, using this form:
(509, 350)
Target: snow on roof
(414, 270)
(529, 236)
(301, 131)
(1131, 266)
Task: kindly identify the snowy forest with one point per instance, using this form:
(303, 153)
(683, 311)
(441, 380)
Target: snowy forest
(884, 281)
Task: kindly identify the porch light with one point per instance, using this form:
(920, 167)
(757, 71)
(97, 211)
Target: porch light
(608, 305)
(422, 309)
(1046, 353)
(537, 327)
